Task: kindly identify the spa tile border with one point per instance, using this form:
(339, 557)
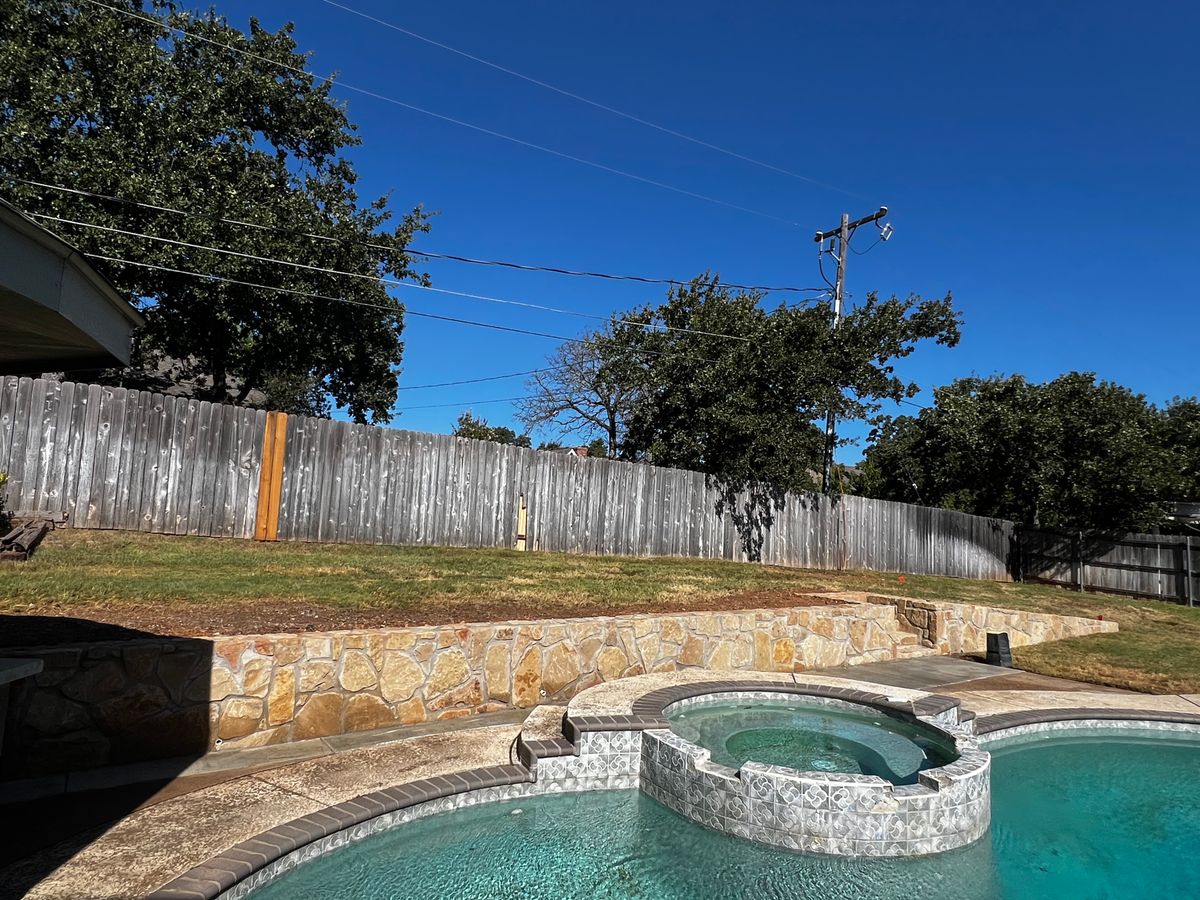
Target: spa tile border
(650, 706)
(986, 725)
(648, 711)
(831, 814)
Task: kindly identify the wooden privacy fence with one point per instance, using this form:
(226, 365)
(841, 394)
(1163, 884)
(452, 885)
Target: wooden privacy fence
(1142, 565)
(116, 458)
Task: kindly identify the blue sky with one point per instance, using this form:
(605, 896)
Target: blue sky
(1039, 160)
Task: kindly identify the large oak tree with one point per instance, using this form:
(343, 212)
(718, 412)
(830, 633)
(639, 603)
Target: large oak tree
(1070, 453)
(153, 105)
(715, 381)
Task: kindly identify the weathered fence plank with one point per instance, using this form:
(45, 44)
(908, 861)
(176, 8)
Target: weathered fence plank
(124, 459)
(1143, 565)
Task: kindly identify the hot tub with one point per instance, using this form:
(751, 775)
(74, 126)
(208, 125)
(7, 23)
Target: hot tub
(820, 775)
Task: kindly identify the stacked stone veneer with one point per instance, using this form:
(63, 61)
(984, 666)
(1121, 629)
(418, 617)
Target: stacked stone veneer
(963, 627)
(823, 812)
(114, 702)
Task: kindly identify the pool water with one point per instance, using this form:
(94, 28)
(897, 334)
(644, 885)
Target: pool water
(814, 738)
(1088, 817)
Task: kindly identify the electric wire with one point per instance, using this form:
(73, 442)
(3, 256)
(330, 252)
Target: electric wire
(407, 250)
(406, 310)
(593, 103)
(445, 118)
(463, 403)
(441, 384)
(874, 244)
(766, 289)
(821, 269)
(649, 326)
(364, 303)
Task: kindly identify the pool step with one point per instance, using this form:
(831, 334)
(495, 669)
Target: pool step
(542, 735)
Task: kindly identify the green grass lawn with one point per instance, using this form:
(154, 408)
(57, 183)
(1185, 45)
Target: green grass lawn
(187, 585)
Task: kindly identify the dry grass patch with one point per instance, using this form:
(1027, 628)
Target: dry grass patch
(189, 586)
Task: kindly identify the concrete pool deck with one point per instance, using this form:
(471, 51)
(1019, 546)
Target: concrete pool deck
(219, 803)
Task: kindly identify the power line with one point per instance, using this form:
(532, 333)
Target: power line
(408, 312)
(436, 115)
(594, 103)
(381, 279)
(392, 309)
(843, 234)
(441, 384)
(526, 267)
(408, 250)
(461, 403)
(872, 246)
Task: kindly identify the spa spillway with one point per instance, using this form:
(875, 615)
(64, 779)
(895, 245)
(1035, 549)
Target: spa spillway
(820, 775)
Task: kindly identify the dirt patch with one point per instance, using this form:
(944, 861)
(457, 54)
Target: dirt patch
(87, 624)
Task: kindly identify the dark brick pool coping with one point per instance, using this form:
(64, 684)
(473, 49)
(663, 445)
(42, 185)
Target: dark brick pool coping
(1003, 721)
(210, 879)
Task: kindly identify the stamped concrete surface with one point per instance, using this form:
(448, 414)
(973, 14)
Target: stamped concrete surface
(159, 841)
(149, 847)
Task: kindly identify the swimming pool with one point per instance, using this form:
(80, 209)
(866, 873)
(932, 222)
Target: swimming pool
(1089, 814)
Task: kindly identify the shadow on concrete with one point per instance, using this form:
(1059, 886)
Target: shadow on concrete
(113, 718)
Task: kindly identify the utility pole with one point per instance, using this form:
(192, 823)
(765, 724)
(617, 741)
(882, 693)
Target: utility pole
(843, 234)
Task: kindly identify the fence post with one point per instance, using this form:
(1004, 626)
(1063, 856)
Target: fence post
(1189, 590)
(1017, 554)
(270, 480)
(1077, 559)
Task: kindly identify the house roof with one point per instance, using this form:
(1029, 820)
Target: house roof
(57, 313)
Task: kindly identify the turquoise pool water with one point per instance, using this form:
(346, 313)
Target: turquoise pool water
(1090, 817)
(813, 738)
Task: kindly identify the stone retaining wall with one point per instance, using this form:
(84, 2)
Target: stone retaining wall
(122, 701)
(963, 627)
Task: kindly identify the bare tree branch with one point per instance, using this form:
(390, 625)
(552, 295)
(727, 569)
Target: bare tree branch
(583, 391)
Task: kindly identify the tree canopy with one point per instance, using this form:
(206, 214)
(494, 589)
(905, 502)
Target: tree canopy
(732, 389)
(1179, 433)
(1074, 452)
(477, 428)
(154, 106)
(711, 380)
